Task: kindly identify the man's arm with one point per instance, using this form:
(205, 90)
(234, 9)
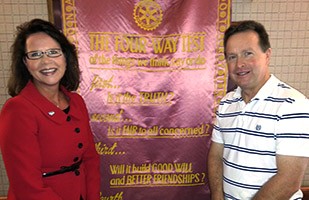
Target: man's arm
(215, 171)
(287, 181)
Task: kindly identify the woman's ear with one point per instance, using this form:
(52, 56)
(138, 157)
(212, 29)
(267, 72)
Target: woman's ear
(25, 60)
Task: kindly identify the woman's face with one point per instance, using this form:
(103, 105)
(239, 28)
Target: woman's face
(46, 68)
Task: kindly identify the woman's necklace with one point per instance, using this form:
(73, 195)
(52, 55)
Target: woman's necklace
(58, 102)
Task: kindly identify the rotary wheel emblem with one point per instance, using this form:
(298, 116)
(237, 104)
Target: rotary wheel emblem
(148, 14)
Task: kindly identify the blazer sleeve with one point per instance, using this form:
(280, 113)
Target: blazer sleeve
(21, 151)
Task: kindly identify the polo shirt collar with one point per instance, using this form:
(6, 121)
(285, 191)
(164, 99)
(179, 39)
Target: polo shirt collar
(264, 92)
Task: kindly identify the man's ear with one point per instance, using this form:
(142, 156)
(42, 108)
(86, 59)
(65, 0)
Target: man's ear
(268, 55)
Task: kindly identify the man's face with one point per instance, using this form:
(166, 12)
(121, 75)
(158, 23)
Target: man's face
(247, 63)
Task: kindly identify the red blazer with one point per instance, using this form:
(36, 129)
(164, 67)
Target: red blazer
(38, 137)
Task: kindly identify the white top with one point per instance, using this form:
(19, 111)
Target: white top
(275, 121)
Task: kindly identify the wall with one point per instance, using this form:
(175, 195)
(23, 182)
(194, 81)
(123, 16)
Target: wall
(287, 22)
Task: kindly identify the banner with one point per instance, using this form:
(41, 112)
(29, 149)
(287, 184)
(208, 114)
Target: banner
(153, 73)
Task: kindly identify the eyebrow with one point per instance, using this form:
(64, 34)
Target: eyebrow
(244, 50)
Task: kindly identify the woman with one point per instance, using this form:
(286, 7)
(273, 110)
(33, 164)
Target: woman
(46, 141)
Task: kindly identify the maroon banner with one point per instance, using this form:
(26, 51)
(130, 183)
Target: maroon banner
(153, 72)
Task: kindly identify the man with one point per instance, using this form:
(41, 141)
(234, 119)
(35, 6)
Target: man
(260, 141)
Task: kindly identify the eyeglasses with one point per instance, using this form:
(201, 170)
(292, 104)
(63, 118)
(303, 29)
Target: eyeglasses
(52, 53)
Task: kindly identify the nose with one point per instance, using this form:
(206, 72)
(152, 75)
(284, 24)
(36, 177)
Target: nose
(240, 62)
(45, 58)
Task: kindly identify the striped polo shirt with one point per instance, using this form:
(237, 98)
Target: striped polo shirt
(275, 121)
